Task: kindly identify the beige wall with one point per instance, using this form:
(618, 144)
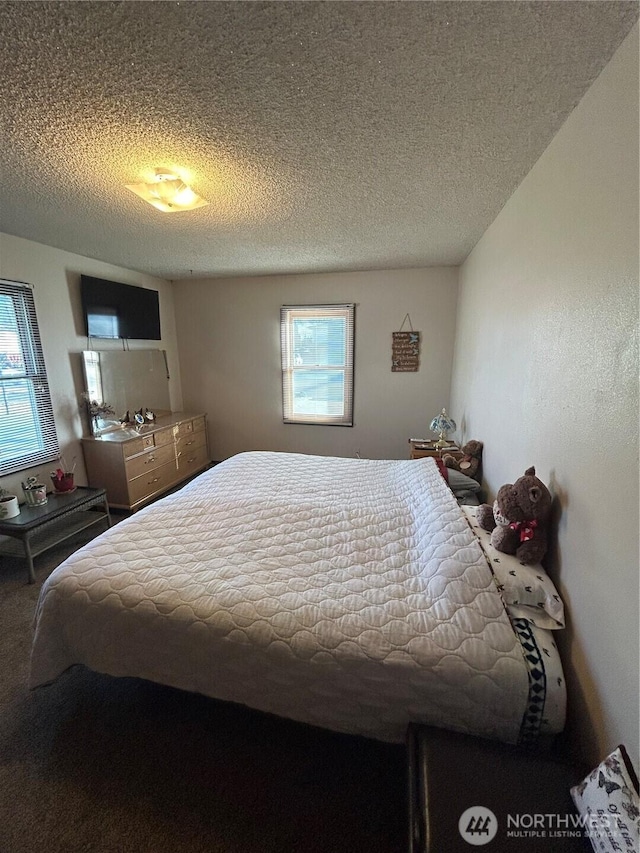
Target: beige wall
(229, 337)
(546, 372)
(55, 276)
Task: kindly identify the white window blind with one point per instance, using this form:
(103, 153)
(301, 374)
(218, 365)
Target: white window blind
(317, 364)
(27, 429)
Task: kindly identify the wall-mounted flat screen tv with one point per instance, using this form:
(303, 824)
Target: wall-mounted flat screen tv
(114, 310)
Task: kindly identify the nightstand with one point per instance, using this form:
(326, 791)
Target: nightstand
(38, 528)
(419, 449)
(524, 799)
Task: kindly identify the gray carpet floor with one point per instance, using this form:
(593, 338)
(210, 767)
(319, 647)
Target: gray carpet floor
(104, 765)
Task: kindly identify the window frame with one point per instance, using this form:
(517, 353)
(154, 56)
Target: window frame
(289, 313)
(34, 372)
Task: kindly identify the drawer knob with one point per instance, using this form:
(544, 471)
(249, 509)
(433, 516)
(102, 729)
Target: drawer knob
(155, 480)
(150, 459)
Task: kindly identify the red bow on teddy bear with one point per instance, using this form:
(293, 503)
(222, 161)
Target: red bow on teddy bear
(526, 528)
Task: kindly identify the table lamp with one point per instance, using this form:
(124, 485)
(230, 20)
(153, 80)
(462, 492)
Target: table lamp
(442, 424)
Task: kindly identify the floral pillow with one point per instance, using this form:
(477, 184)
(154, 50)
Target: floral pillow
(528, 591)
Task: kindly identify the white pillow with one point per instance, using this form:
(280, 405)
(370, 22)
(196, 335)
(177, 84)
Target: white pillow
(528, 591)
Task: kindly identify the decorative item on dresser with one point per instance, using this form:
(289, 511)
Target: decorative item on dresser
(136, 465)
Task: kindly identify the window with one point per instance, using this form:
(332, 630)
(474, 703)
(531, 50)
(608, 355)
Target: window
(317, 364)
(27, 429)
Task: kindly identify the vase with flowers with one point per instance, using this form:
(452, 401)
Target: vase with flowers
(63, 477)
(96, 411)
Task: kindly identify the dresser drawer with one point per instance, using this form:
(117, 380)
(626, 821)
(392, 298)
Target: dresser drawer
(199, 424)
(150, 460)
(192, 459)
(191, 442)
(152, 482)
(185, 428)
(165, 436)
(137, 445)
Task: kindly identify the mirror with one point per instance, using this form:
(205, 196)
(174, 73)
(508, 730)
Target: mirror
(125, 380)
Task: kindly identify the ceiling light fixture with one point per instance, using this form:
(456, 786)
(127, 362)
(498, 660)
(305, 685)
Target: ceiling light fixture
(167, 192)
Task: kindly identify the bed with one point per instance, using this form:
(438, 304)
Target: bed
(350, 594)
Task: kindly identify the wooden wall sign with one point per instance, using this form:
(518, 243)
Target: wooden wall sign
(405, 351)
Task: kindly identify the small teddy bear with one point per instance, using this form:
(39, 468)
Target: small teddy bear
(470, 462)
(517, 520)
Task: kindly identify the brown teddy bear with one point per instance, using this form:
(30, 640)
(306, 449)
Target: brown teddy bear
(470, 462)
(517, 520)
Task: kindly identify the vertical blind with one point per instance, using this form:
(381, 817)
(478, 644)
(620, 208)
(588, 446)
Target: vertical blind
(27, 428)
(317, 364)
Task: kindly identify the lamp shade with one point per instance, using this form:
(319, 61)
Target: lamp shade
(442, 424)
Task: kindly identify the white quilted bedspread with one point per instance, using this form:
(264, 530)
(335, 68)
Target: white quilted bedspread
(345, 593)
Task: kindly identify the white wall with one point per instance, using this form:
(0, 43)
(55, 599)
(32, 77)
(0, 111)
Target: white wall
(229, 334)
(546, 373)
(55, 276)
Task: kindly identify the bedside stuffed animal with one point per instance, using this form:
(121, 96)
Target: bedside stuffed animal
(517, 520)
(470, 462)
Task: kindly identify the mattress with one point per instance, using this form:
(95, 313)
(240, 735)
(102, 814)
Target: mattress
(344, 593)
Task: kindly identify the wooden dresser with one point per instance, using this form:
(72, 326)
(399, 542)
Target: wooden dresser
(135, 465)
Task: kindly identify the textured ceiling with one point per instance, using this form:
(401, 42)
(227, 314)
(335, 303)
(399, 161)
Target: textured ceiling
(326, 136)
